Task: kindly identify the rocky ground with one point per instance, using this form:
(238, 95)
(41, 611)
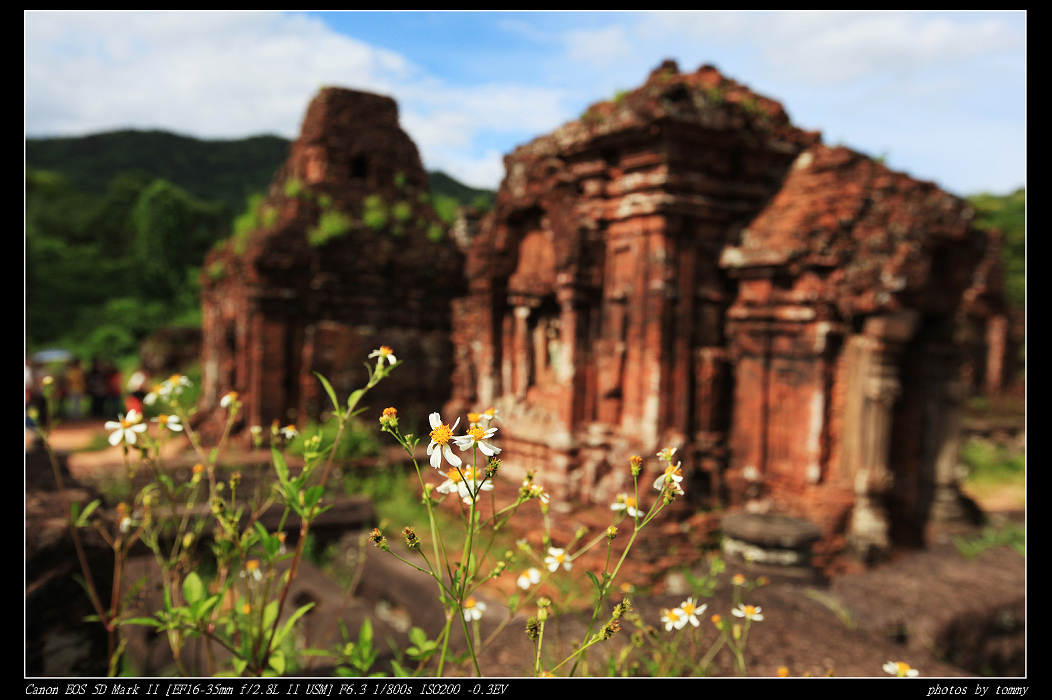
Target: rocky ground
(933, 608)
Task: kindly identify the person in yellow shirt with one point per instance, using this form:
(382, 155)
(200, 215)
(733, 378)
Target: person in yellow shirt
(76, 385)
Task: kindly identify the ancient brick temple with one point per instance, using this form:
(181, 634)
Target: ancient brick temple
(683, 267)
(345, 255)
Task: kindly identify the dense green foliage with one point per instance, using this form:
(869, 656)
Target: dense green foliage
(447, 195)
(103, 271)
(1007, 213)
(117, 226)
(442, 185)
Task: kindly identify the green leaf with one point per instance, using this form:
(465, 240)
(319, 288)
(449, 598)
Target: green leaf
(312, 495)
(193, 588)
(353, 400)
(280, 466)
(270, 613)
(329, 390)
(277, 661)
(595, 581)
(82, 518)
(417, 636)
(365, 634)
(287, 627)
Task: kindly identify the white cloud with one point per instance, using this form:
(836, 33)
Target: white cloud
(842, 46)
(211, 74)
(599, 47)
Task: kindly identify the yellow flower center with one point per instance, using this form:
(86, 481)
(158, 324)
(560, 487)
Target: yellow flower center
(469, 602)
(454, 476)
(491, 412)
(252, 564)
(560, 558)
(474, 417)
(198, 468)
(390, 412)
(902, 667)
(750, 610)
(385, 351)
(672, 471)
(477, 433)
(175, 378)
(162, 419)
(688, 609)
(630, 501)
(442, 435)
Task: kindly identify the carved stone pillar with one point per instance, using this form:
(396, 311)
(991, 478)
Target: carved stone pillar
(996, 347)
(875, 376)
(946, 399)
(521, 352)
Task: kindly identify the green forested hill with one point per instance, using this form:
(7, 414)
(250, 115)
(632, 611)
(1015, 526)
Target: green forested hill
(227, 171)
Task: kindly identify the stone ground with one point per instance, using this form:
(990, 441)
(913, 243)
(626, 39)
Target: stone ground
(932, 608)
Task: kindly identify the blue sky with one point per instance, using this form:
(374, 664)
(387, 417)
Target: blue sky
(942, 95)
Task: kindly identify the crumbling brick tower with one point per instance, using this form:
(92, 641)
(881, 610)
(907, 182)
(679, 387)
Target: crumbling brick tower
(596, 317)
(855, 284)
(682, 267)
(345, 255)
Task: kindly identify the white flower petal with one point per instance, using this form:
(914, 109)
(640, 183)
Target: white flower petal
(447, 452)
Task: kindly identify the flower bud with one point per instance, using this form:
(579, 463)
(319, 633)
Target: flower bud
(377, 538)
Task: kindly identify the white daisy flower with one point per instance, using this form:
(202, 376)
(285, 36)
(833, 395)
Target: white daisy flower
(125, 428)
(529, 578)
(473, 608)
(749, 612)
(556, 557)
(672, 475)
(673, 618)
(441, 435)
(477, 436)
(691, 612)
(626, 503)
(384, 353)
(900, 669)
(170, 422)
(465, 483)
